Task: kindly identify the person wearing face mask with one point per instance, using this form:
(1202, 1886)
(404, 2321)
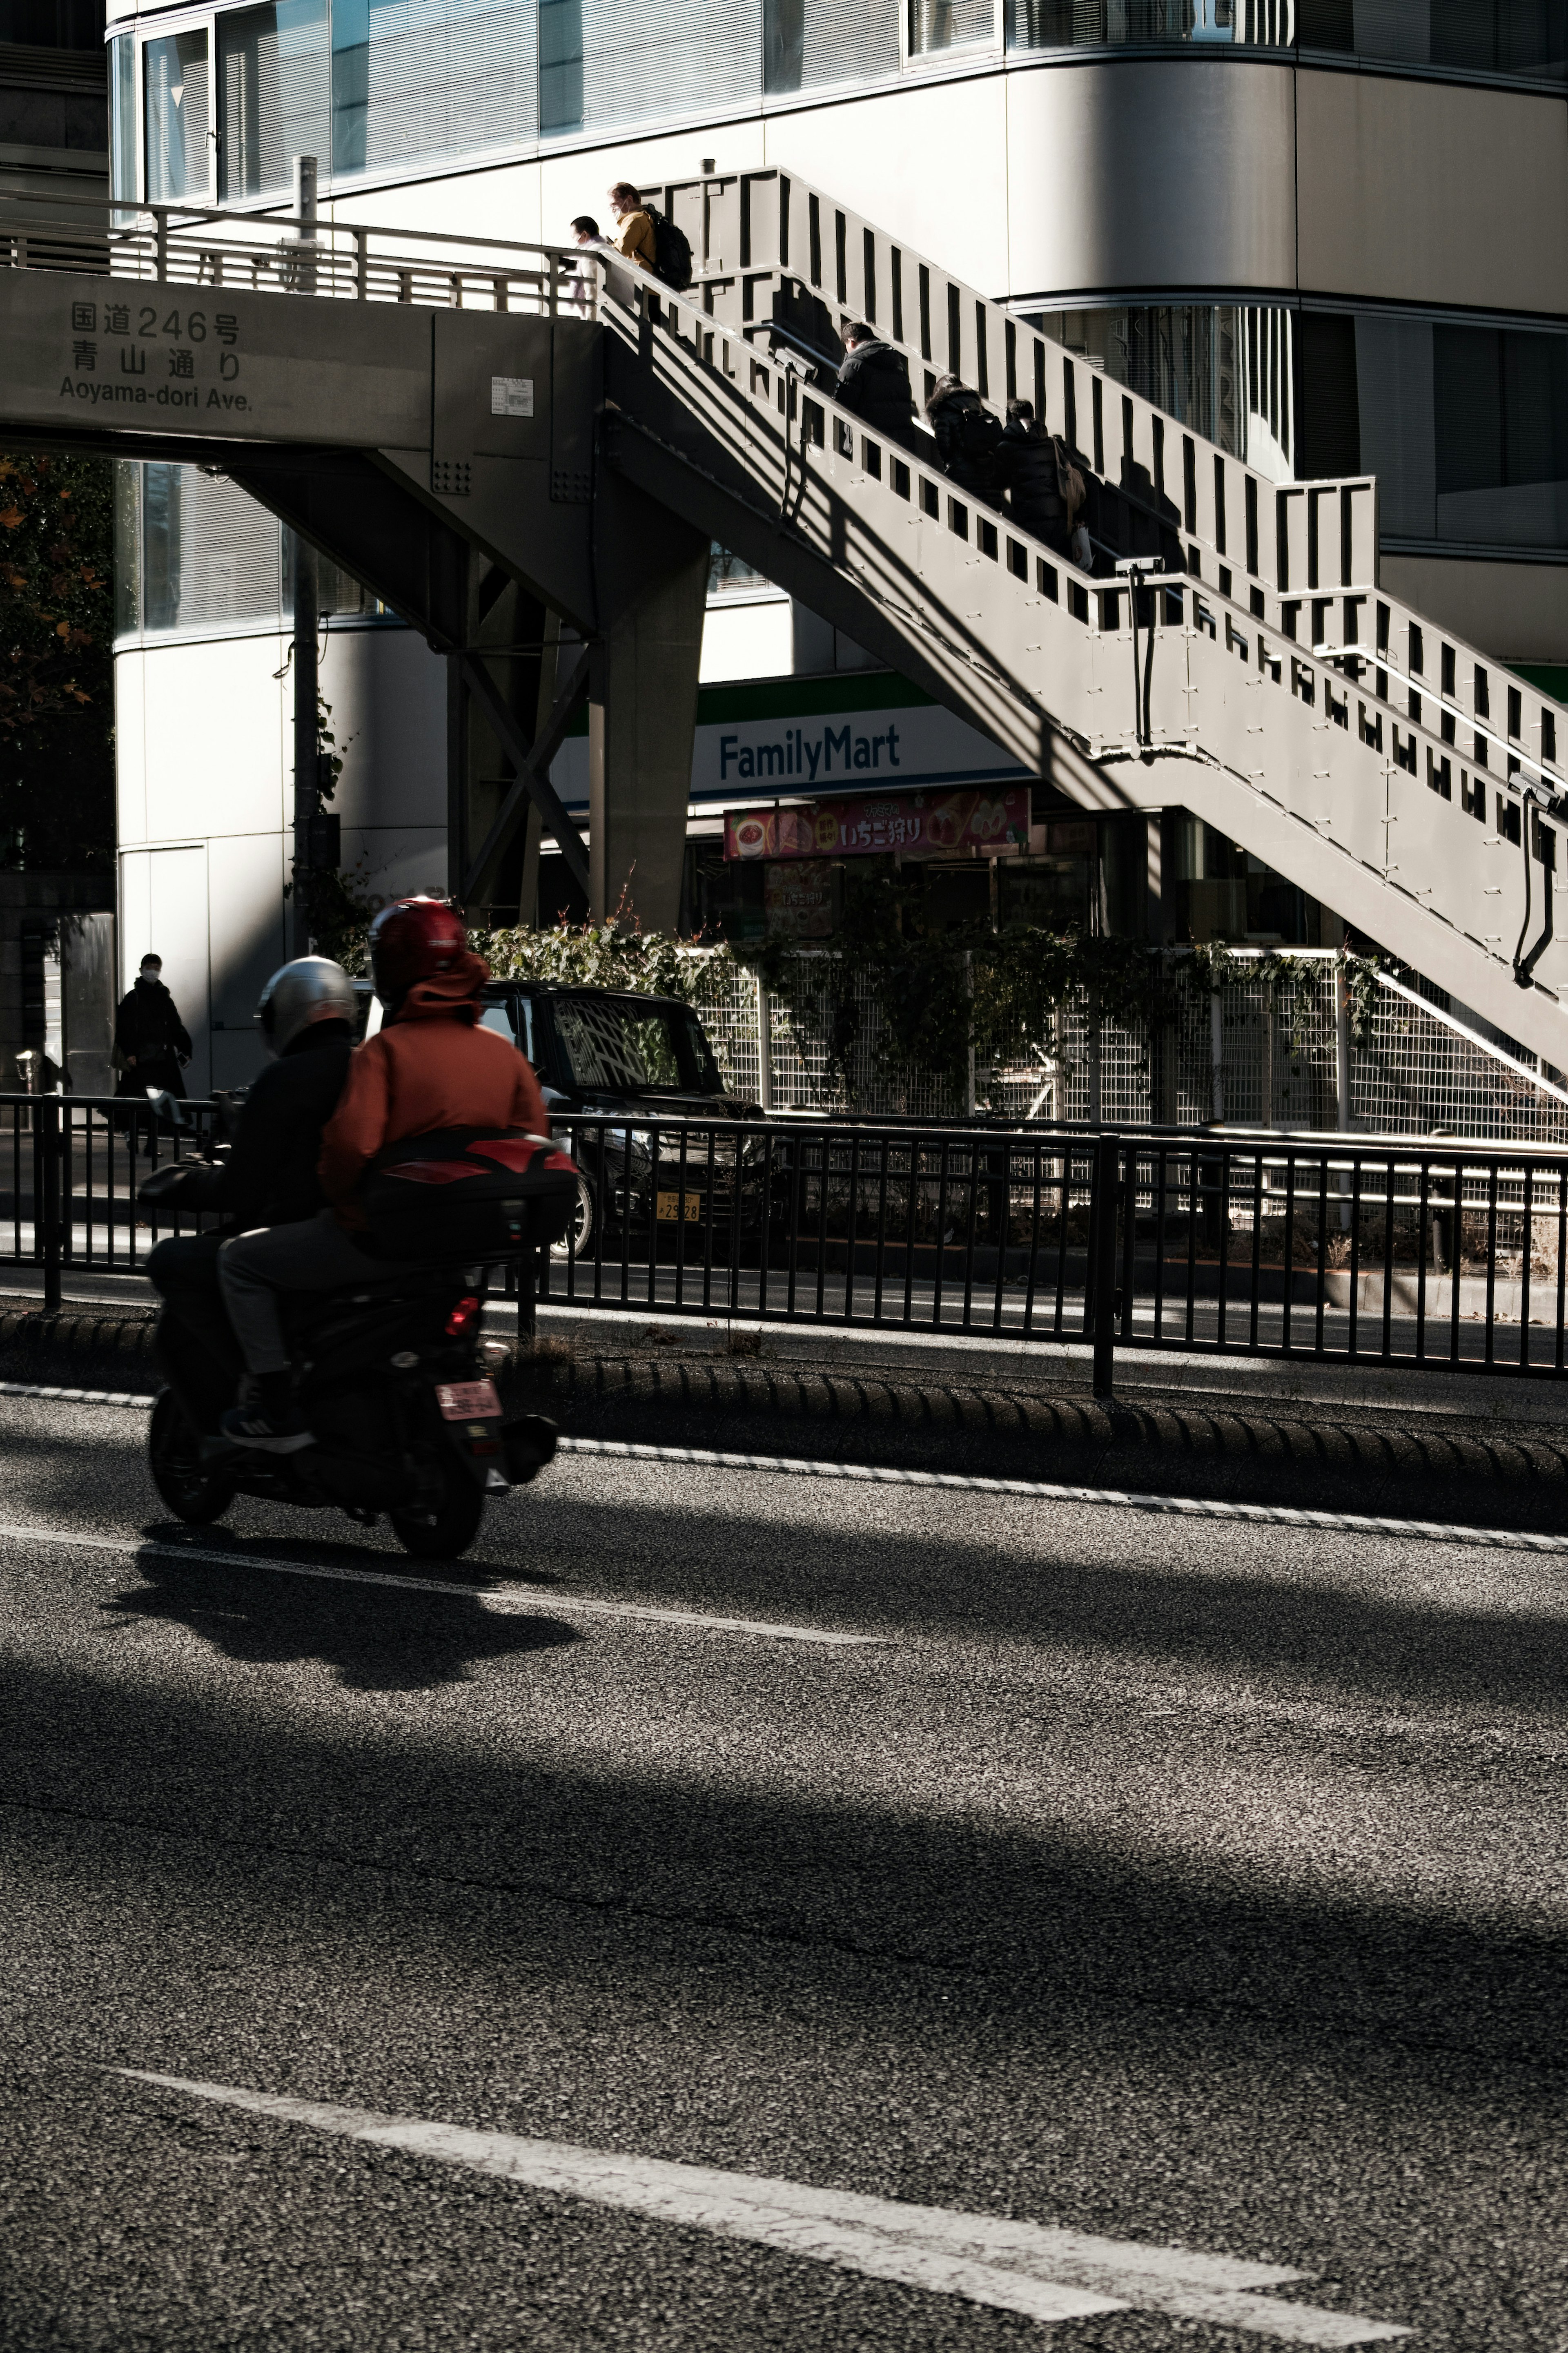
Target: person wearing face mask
(633, 237)
(150, 1042)
(587, 233)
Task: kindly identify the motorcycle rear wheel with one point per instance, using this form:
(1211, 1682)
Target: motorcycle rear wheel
(450, 1527)
(174, 1457)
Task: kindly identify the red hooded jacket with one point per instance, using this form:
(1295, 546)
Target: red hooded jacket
(431, 1067)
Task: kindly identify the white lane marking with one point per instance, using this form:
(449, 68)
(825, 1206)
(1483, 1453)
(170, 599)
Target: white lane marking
(959, 1482)
(76, 1396)
(505, 1600)
(1045, 2275)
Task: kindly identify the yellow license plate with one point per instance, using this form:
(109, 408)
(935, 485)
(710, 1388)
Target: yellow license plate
(675, 1205)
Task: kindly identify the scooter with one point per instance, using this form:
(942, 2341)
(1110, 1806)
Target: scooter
(406, 1419)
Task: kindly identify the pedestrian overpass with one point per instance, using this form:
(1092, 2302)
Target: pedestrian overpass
(441, 414)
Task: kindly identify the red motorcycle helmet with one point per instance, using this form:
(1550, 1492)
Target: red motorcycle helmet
(412, 940)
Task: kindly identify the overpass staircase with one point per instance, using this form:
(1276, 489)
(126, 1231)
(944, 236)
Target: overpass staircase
(413, 403)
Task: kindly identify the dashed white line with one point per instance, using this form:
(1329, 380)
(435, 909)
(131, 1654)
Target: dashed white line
(958, 1482)
(1045, 2275)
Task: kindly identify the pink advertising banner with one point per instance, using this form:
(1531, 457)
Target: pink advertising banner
(917, 824)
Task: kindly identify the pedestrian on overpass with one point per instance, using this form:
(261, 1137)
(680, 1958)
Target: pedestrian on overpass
(968, 439)
(585, 232)
(874, 384)
(633, 237)
(150, 1037)
(1045, 490)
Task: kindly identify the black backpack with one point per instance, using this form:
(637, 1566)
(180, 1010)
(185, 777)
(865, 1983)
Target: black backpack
(671, 251)
(463, 1193)
(980, 434)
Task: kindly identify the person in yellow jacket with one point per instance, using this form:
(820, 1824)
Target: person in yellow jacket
(633, 230)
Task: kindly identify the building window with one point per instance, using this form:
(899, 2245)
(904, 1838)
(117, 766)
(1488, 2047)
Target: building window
(683, 55)
(1466, 427)
(1225, 369)
(1525, 38)
(123, 117)
(730, 576)
(414, 80)
(810, 44)
(210, 556)
(178, 115)
(195, 556)
(559, 65)
(938, 25)
(272, 95)
(1111, 24)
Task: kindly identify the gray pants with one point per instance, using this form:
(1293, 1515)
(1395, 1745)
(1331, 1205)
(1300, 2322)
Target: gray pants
(316, 1255)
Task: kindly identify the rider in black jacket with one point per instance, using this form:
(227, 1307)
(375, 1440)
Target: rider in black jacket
(269, 1179)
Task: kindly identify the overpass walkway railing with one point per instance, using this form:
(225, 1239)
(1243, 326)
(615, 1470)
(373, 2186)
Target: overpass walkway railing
(277, 253)
(1413, 1255)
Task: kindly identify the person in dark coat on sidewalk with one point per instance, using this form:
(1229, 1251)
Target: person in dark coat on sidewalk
(968, 439)
(874, 384)
(151, 1041)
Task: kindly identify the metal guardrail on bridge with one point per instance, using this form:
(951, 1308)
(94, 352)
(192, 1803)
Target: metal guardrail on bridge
(1419, 1256)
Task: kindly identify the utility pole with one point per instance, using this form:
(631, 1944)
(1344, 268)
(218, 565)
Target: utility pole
(306, 736)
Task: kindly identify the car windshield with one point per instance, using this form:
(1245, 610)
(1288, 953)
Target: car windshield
(629, 1045)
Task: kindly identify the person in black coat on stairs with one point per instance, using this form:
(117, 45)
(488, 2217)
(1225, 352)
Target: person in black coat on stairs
(968, 439)
(874, 384)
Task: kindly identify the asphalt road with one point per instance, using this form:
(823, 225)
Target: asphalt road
(1184, 1884)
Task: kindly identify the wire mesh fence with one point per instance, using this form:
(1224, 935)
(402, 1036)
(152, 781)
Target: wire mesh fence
(1262, 1050)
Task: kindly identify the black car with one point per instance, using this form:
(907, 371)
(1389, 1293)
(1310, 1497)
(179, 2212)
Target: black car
(604, 1058)
(611, 1057)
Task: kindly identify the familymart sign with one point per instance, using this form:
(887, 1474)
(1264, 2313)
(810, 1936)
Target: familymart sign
(922, 745)
(767, 757)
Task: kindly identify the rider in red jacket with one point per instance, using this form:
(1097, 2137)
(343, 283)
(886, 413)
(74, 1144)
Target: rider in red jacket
(432, 1066)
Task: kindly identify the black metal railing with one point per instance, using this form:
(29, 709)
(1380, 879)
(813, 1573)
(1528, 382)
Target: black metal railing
(1420, 1253)
(69, 1168)
(1424, 1253)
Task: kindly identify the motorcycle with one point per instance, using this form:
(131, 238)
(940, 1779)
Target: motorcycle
(406, 1418)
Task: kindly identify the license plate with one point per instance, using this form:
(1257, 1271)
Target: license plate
(462, 1400)
(674, 1206)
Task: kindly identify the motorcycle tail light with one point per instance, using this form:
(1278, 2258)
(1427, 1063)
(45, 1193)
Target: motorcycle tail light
(462, 1318)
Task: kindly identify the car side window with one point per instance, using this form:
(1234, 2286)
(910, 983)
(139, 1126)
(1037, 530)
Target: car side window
(498, 1018)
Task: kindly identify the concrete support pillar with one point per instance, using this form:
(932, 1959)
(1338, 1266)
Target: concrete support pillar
(642, 716)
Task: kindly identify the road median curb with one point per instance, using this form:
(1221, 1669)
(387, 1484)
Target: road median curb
(1302, 1454)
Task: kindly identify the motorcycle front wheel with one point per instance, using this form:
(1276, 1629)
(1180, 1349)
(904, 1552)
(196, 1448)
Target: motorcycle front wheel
(452, 1521)
(173, 1456)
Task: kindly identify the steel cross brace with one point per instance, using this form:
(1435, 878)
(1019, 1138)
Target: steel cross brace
(531, 762)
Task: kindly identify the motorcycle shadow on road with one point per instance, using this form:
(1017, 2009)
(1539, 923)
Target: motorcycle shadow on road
(374, 1637)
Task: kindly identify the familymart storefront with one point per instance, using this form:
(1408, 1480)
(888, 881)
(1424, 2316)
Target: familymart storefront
(796, 781)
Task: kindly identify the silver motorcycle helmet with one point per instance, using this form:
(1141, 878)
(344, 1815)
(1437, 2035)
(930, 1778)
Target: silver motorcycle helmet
(311, 989)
